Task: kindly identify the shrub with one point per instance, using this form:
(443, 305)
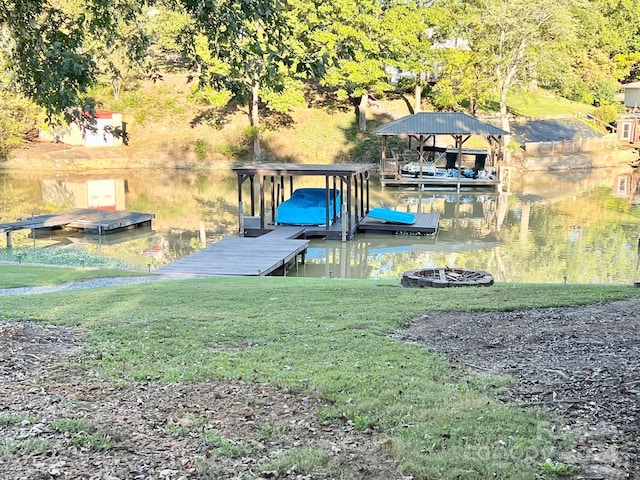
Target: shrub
(18, 118)
(202, 149)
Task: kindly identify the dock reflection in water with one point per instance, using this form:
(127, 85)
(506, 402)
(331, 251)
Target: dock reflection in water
(581, 225)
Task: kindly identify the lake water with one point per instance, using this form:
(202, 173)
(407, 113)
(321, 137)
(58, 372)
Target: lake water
(575, 227)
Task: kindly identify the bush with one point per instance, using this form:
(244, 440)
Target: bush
(607, 113)
(202, 149)
(18, 118)
(603, 93)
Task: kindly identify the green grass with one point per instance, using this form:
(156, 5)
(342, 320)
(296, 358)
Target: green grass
(332, 339)
(60, 256)
(541, 103)
(12, 276)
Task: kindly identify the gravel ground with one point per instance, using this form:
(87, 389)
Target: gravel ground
(581, 363)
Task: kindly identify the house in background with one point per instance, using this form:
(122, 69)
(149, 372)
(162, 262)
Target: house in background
(632, 95)
(628, 128)
(106, 130)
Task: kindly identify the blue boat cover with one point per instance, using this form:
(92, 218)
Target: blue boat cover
(308, 206)
(392, 216)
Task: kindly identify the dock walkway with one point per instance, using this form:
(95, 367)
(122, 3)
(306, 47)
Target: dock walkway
(244, 256)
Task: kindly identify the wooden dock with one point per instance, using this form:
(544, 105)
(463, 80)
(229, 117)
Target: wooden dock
(101, 222)
(452, 183)
(244, 256)
(425, 224)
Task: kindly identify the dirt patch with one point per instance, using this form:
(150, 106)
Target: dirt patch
(581, 363)
(57, 423)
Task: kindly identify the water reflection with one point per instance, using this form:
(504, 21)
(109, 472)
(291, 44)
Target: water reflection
(582, 225)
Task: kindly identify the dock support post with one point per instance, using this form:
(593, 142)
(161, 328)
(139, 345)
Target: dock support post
(344, 223)
(240, 219)
(9, 239)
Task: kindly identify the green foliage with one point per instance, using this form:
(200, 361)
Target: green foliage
(60, 256)
(282, 99)
(46, 46)
(313, 462)
(230, 151)
(99, 442)
(249, 133)
(559, 468)
(608, 113)
(270, 432)
(207, 95)
(201, 148)
(71, 425)
(604, 93)
(18, 117)
(543, 102)
(26, 447)
(83, 434)
(219, 445)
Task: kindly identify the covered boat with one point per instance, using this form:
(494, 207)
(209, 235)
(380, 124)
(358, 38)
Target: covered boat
(308, 206)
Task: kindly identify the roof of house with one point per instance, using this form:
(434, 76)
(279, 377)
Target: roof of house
(440, 123)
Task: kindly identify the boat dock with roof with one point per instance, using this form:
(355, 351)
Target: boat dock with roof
(434, 164)
(265, 245)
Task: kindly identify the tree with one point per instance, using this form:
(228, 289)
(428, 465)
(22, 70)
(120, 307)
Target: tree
(364, 38)
(249, 47)
(45, 46)
(512, 38)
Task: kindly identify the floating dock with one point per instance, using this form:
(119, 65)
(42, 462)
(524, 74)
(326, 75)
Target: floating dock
(425, 224)
(245, 256)
(101, 222)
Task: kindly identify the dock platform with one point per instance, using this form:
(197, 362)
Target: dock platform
(244, 256)
(425, 224)
(88, 220)
(425, 182)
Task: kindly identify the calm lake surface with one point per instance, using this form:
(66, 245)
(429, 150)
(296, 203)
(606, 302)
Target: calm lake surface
(579, 226)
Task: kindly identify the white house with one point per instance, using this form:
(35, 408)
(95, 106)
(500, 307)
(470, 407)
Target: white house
(632, 95)
(107, 129)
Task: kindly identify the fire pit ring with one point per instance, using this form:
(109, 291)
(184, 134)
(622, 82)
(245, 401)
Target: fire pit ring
(446, 277)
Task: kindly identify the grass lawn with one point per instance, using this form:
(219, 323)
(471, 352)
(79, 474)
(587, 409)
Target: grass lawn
(541, 103)
(328, 338)
(12, 276)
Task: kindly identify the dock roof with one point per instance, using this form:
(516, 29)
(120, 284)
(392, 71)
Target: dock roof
(440, 123)
(300, 169)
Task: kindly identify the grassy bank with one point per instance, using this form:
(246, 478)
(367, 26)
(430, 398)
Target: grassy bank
(333, 339)
(13, 276)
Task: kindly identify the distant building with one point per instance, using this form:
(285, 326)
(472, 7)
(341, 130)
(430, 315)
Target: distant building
(632, 95)
(106, 130)
(628, 128)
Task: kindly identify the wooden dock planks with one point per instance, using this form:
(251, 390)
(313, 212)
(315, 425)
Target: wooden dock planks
(426, 224)
(82, 218)
(243, 256)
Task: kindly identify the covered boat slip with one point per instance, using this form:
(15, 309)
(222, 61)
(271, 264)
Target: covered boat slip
(431, 162)
(345, 205)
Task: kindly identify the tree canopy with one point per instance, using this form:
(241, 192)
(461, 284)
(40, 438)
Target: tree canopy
(258, 53)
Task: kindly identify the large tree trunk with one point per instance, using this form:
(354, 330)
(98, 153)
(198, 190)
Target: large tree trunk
(362, 112)
(417, 101)
(255, 119)
(504, 118)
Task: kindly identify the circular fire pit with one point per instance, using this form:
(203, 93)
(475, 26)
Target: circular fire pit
(446, 277)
